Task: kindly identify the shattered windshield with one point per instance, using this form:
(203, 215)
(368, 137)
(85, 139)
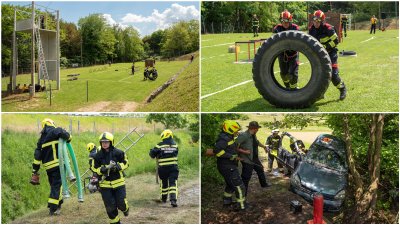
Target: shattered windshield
(326, 157)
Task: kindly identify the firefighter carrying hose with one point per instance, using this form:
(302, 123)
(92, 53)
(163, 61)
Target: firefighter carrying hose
(110, 162)
(325, 33)
(227, 164)
(288, 60)
(167, 154)
(46, 153)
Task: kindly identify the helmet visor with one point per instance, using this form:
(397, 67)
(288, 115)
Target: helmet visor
(317, 19)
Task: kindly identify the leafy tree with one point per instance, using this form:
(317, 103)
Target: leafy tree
(169, 120)
(94, 32)
(177, 41)
(372, 152)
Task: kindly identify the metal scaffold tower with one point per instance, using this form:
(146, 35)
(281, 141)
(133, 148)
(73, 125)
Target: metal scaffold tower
(44, 28)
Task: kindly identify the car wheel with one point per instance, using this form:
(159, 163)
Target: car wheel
(269, 87)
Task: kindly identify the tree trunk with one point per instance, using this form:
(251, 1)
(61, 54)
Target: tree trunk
(365, 197)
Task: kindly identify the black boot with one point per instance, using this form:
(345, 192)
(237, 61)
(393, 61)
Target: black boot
(227, 201)
(343, 91)
(173, 203)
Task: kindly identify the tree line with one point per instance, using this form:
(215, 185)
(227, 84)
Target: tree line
(372, 194)
(235, 17)
(94, 41)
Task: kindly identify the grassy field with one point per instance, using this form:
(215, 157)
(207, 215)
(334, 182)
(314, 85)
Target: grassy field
(181, 96)
(371, 77)
(19, 197)
(111, 88)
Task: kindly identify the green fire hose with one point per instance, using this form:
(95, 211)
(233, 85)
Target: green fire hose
(65, 168)
(76, 169)
(65, 191)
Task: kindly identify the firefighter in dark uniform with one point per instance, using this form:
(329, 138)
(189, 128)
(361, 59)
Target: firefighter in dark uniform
(274, 143)
(167, 154)
(92, 149)
(255, 24)
(325, 33)
(93, 180)
(344, 21)
(288, 60)
(46, 153)
(110, 162)
(227, 164)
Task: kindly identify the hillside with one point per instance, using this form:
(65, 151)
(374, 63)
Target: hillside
(181, 96)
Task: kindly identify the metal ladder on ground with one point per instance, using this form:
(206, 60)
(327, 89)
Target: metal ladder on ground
(42, 62)
(125, 144)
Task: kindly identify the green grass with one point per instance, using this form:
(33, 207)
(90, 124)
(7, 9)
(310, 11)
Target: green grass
(180, 96)
(106, 83)
(371, 77)
(19, 197)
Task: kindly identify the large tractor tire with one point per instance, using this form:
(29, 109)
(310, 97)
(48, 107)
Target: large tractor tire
(266, 82)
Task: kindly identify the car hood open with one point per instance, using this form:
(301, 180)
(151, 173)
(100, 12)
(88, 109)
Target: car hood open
(321, 179)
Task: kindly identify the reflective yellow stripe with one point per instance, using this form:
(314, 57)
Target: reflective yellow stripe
(36, 162)
(173, 192)
(126, 204)
(332, 44)
(53, 201)
(112, 184)
(231, 142)
(115, 220)
(51, 164)
(168, 163)
(324, 39)
(49, 143)
(167, 159)
(241, 198)
(293, 85)
(221, 153)
(226, 194)
(333, 37)
(162, 146)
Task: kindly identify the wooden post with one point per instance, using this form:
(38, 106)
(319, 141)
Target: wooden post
(248, 49)
(236, 52)
(87, 91)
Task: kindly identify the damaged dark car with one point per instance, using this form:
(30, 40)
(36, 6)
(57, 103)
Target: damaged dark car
(323, 170)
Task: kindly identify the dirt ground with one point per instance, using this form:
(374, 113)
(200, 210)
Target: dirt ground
(142, 194)
(266, 205)
(107, 106)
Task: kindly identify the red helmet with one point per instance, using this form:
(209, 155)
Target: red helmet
(286, 16)
(319, 15)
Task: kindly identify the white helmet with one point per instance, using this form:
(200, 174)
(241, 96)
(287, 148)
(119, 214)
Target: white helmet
(275, 131)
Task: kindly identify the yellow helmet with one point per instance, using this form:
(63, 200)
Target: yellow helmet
(90, 146)
(107, 136)
(231, 126)
(166, 134)
(48, 122)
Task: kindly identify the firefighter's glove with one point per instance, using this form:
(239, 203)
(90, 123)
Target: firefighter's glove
(234, 157)
(69, 139)
(35, 179)
(284, 133)
(103, 170)
(117, 167)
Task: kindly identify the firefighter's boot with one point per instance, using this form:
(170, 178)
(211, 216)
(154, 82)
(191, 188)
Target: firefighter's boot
(343, 90)
(227, 201)
(126, 213)
(173, 203)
